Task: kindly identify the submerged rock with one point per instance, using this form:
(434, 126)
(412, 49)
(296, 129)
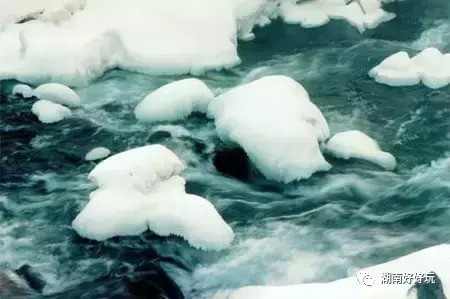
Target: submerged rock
(145, 281)
(233, 162)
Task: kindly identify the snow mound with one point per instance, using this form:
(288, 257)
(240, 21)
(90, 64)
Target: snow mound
(57, 93)
(277, 125)
(355, 144)
(367, 284)
(120, 207)
(97, 153)
(363, 14)
(174, 101)
(140, 167)
(429, 66)
(49, 112)
(24, 90)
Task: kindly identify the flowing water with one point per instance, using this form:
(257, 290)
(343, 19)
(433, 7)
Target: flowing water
(318, 229)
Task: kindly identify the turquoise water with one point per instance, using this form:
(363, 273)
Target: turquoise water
(315, 230)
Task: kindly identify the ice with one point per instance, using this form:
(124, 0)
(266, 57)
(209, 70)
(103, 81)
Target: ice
(277, 125)
(355, 144)
(97, 153)
(433, 259)
(174, 101)
(24, 90)
(140, 189)
(428, 66)
(57, 93)
(49, 112)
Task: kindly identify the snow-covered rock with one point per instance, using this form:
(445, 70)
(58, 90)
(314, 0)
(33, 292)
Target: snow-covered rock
(355, 144)
(97, 153)
(140, 189)
(396, 70)
(277, 125)
(433, 259)
(429, 66)
(49, 112)
(174, 101)
(141, 168)
(57, 93)
(24, 90)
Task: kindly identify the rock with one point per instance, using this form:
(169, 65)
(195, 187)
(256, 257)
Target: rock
(232, 162)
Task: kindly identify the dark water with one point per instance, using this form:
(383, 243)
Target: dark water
(315, 230)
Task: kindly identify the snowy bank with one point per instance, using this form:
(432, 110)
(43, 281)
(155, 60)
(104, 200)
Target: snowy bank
(140, 189)
(76, 41)
(430, 67)
(277, 125)
(174, 101)
(433, 259)
(356, 144)
(97, 153)
(363, 14)
(49, 112)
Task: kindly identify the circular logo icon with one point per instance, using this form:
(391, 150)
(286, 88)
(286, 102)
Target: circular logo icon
(365, 279)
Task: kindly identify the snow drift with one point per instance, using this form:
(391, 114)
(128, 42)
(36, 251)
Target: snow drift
(277, 125)
(49, 112)
(433, 259)
(75, 41)
(174, 101)
(140, 189)
(355, 144)
(430, 67)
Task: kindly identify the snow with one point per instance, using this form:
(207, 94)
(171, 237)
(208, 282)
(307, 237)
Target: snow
(427, 67)
(49, 112)
(140, 189)
(46, 10)
(171, 37)
(277, 125)
(174, 101)
(429, 64)
(355, 144)
(57, 93)
(97, 153)
(140, 167)
(435, 258)
(363, 14)
(24, 90)
(75, 41)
